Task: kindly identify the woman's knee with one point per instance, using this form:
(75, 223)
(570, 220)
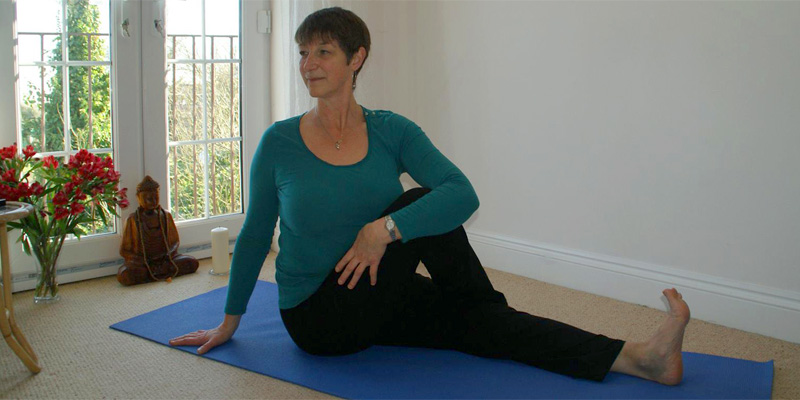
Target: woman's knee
(317, 335)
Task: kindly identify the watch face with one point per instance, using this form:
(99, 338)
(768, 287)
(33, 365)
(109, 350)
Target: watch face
(389, 224)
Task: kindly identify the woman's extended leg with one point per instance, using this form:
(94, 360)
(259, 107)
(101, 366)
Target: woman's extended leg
(460, 309)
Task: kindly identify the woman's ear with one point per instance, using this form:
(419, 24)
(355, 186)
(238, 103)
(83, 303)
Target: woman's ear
(358, 58)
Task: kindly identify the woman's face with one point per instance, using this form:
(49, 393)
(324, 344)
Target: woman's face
(324, 68)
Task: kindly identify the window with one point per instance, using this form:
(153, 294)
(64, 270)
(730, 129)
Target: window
(65, 85)
(203, 109)
(170, 89)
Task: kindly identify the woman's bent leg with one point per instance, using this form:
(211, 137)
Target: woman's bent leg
(333, 321)
(453, 266)
(336, 320)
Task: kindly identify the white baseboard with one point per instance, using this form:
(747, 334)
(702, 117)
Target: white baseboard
(753, 308)
(27, 280)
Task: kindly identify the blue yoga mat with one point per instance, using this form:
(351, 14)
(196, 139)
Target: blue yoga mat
(262, 345)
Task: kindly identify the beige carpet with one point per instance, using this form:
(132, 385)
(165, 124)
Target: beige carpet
(83, 358)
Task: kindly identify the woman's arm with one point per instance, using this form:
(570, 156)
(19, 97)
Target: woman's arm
(452, 199)
(248, 254)
(253, 242)
(451, 202)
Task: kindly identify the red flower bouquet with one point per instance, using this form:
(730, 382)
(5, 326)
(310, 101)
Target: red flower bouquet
(65, 197)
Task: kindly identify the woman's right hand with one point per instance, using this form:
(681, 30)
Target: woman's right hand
(208, 339)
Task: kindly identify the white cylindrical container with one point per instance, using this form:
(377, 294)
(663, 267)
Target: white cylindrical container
(220, 261)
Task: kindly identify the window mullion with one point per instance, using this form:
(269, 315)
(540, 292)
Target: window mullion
(65, 77)
(201, 141)
(74, 63)
(205, 109)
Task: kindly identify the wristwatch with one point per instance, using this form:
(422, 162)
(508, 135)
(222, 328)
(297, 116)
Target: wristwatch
(390, 227)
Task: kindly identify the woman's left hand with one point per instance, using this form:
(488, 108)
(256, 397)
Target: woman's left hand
(366, 252)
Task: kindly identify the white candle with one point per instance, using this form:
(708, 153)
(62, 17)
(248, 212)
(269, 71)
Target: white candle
(219, 251)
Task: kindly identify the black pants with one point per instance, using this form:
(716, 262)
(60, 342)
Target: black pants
(457, 309)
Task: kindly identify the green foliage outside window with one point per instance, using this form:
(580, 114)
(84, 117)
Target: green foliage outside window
(185, 121)
(90, 123)
(89, 89)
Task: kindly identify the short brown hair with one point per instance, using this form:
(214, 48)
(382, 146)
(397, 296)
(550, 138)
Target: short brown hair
(336, 24)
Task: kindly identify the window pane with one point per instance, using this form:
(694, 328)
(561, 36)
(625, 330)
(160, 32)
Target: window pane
(184, 47)
(38, 48)
(224, 179)
(87, 29)
(224, 47)
(223, 100)
(184, 102)
(222, 17)
(185, 17)
(203, 104)
(90, 107)
(40, 108)
(88, 47)
(29, 49)
(222, 29)
(186, 186)
(38, 16)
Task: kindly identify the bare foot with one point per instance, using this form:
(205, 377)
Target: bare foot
(659, 359)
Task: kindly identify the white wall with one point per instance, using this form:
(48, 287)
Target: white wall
(620, 147)
(8, 111)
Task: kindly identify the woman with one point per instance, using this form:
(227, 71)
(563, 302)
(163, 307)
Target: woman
(346, 269)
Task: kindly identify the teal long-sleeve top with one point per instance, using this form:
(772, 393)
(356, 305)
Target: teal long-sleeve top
(323, 207)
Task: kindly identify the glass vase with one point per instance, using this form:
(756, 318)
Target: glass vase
(46, 252)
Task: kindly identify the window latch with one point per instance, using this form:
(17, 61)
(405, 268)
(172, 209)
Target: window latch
(125, 24)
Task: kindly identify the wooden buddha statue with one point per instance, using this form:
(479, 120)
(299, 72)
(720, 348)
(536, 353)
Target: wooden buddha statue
(150, 242)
